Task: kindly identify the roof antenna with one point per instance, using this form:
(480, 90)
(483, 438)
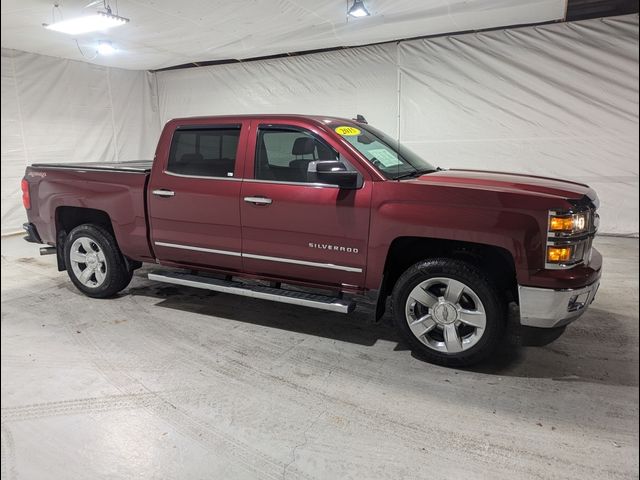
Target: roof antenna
(360, 119)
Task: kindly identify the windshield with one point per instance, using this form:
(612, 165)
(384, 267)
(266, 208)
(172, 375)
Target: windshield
(392, 159)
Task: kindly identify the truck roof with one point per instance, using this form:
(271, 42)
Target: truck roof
(292, 116)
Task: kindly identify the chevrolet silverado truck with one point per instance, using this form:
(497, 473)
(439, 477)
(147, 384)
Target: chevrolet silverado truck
(323, 212)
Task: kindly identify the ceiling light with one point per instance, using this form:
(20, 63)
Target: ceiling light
(358, 9)
(89, 23)
(105, 47)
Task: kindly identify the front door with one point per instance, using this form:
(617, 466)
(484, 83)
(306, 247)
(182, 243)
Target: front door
(292, 228)
(194, 197)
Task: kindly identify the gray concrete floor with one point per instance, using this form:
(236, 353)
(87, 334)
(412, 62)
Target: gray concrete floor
(166, 382)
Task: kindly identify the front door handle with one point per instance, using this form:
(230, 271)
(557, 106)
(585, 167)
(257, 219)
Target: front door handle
(258, 200)
(163, 193)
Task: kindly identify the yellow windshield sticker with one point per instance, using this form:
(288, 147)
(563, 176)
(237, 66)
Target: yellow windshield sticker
(348, 131)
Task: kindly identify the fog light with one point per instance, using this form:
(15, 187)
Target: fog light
(559, 254)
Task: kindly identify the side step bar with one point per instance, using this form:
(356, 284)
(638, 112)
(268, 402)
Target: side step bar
(312, 300)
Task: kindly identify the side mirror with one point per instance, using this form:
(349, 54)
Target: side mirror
(333, 172)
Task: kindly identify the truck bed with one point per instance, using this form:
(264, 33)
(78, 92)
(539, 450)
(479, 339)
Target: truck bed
(139, 166)
(114, 190)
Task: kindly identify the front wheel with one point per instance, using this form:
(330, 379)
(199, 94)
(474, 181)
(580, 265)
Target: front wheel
(449, 311)
(94, 262)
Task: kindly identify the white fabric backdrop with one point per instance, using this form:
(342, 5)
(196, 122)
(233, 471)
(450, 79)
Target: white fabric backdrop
(343, 83)
(56, 110)
(558, 100)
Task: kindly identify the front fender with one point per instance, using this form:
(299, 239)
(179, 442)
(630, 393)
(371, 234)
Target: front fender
(516, 231)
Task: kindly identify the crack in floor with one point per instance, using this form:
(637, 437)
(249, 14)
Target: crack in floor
(300, 445)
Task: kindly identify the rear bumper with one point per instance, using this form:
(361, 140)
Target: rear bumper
(548, 308)
(32, 233)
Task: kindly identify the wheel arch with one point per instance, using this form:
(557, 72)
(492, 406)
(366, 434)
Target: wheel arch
(405, 251)
(67, 218)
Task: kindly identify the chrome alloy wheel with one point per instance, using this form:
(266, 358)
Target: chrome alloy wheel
(446, 315)
(88, 262)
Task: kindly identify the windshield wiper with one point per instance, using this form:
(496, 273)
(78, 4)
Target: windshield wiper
(414, 174)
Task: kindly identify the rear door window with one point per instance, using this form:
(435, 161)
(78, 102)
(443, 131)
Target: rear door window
(204, 152)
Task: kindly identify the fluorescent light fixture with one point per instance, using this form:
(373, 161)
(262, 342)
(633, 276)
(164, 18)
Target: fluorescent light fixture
(89, 23)
(105, 47)
(358, 9)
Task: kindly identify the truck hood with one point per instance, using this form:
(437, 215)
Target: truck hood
(510, 182)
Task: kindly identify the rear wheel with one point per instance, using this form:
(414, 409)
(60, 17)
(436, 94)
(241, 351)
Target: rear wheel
(449, 312)
(94, 262)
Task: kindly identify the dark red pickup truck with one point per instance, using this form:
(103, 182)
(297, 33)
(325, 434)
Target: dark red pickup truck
(317, 211)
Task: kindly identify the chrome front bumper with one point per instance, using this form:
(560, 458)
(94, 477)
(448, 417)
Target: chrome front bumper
(548, 308)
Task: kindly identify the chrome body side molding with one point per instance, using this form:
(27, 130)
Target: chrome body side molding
(267, 258)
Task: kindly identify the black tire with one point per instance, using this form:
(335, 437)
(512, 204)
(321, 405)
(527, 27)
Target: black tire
(495, 309)
(116, 274)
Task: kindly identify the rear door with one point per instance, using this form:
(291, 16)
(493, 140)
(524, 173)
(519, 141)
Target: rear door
(294, 228)
(193, 195)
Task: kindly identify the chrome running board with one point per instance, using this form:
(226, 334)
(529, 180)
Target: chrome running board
(322, 302)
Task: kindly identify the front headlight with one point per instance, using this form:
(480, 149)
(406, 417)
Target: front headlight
(569, 238)
(569, 224)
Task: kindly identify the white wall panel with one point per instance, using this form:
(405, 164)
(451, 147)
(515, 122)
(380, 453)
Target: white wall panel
(341, 83)
(558, 100)
(12, 148)
(57, 110)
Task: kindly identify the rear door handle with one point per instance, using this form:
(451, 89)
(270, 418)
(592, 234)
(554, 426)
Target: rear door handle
(163, 193)
(258, 200)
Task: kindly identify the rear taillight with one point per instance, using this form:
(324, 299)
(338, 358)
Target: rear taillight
(26, 199)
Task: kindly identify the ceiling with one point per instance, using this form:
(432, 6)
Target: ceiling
(164, 33)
